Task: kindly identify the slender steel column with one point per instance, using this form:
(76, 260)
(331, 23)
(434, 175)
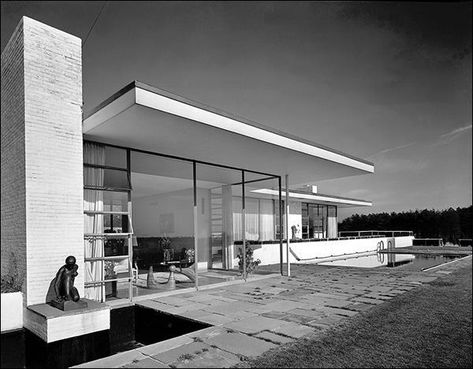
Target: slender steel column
(196, 243)
(130, 228)
(287, 226)
(243, 218)
(281, 229)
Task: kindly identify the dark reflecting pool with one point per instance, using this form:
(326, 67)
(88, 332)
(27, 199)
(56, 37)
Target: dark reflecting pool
(131, 327)
(416, 262)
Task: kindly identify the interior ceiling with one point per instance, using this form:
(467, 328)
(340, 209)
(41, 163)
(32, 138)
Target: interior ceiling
(153, 130)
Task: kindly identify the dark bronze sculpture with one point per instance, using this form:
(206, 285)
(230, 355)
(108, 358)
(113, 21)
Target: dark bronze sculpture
(67, 296)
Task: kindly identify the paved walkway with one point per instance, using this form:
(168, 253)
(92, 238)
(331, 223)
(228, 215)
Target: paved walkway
(251, 318)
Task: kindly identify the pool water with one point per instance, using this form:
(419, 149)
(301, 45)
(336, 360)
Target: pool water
(412, 262)
(130, 327)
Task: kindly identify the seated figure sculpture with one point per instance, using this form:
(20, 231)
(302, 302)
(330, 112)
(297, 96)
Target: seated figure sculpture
(67, 296)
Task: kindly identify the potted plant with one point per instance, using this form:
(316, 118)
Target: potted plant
(110, 287)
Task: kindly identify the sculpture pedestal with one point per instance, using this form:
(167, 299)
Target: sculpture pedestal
(68, 305)
(51, 324)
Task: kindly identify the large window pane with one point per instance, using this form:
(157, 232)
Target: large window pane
(163, 222)
(219, 218)
(262, 208)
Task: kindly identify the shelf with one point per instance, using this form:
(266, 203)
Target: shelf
(102, 281)
(101, 188)
(105, 235)
(105, 258)
(106, 212)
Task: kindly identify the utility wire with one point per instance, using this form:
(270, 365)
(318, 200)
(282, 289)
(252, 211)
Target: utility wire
(93, 25)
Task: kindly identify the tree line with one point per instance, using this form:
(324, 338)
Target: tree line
(449, 224)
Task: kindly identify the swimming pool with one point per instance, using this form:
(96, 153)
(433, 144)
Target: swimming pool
(415, 262)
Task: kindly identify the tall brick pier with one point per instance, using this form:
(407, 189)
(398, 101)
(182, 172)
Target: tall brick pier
(41, 151)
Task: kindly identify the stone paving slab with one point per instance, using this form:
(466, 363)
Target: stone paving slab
(283, 306)
(175, 354)
(251, 318)
(240, 344)
(216, 319)
(255, 324)
(159, 347)
(211, 358)
(273, 337)
(114, 361)
(146, 363)
(293, 330)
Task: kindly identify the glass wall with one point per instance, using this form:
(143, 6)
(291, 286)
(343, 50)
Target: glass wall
(155, 223)
(107, 234)
(319, 221)
(163, 221)
(219, 210)
(261, 208)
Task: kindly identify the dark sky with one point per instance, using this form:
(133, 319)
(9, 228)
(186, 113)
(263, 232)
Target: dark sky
(389, 82)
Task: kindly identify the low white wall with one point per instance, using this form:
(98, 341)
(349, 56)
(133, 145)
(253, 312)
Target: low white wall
(269, 253)
(12, 311)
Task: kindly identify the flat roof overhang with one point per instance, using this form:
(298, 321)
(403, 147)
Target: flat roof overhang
(341, 202)
(146, 118)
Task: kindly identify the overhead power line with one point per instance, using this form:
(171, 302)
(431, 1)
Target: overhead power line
(93, 24)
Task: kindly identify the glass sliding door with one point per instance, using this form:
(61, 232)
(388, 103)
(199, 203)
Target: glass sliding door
(163, 220)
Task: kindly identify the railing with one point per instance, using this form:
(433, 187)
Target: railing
(375, 233)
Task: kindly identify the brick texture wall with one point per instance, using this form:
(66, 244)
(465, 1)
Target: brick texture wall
(52, 156)
(13, 217)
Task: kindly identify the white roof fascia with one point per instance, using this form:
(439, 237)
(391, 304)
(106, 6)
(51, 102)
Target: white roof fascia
(171, 106)
(153, 100)
(317, 197)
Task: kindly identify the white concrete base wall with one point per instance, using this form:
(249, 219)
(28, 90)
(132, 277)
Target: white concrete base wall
(12, 311)
(269, 253)
(51, 324)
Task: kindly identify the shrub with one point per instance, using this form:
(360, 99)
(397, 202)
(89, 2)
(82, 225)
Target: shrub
(251, 264)
(13, 279)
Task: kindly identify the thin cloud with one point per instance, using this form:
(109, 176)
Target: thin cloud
(392, 149)
(448, 137)
(456, 131)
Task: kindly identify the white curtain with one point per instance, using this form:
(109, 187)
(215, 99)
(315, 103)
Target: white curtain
(252, 219)
(237, 224)
(93, 223)
(259, 220)
(267, 220)
(332, 227)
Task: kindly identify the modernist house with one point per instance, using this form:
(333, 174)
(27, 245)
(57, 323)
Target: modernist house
(148, 179)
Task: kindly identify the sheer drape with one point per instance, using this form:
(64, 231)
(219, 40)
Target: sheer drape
(237, 225)
(93, 223)
(267, 220)
(332, 227)
(260, 219)
(252, 219)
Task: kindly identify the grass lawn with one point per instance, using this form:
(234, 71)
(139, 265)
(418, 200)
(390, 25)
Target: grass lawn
(429, 326)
